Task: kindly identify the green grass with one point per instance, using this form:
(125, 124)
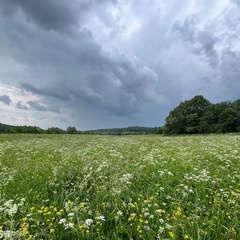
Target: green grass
(129, 187)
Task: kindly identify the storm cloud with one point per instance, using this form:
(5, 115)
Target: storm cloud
(109, 63)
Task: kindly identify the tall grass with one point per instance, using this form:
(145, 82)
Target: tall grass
(106, 187)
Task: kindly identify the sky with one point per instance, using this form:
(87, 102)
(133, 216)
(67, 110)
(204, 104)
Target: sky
(114, 63)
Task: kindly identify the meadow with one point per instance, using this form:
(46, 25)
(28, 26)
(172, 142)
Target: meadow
(119, 187)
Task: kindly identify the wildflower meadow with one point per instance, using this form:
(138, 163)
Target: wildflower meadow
(119, 187)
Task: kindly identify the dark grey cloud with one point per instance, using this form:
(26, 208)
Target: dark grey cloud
(21, 105)
(34, 105)
(202, 41)
(48, 14)
(230, 72)
(208, 41)
(31, 105)
(58, 91)
(5, 99)
(125, 80)
(55, 15)
(187, 28)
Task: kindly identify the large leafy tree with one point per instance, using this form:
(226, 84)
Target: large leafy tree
(186, 118)
(174, 123)
(71, 130)
(207, 121)
(229, 120)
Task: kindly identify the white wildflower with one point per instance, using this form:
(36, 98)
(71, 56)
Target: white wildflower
(89, 222)
(102, 218)
(158, 211)
(68, 225)
(168, 197)
(161, 220)
(62, 221)
(168, 226)
(146, 228)
(161, 229)
(12, 210)
(190, 190)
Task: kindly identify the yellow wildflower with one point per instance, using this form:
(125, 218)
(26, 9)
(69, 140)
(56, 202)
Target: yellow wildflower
(81, 227)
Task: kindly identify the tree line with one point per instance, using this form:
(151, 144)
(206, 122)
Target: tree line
(199, 115)
(133, 130)
(4, 128)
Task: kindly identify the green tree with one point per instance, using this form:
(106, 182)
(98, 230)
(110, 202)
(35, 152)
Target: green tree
(55, 130)
(186, 117)
(174, 123)
(71, 130)
(207, 121)
(229, 120)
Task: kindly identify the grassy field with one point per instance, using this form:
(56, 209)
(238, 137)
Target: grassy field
(129, 187)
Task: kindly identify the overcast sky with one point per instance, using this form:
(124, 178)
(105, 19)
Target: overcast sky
(114, 63)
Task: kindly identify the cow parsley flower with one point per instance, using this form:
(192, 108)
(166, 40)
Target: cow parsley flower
(102, 218)
(89, 222)
(71, 214)
(62, 221)
(68, 225)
